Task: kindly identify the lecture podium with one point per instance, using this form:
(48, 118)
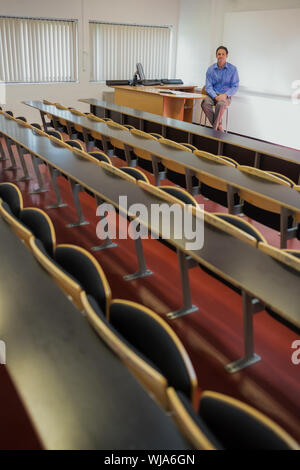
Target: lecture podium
(177, 102)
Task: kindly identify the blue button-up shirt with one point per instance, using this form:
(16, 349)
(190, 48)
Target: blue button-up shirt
(222, 80)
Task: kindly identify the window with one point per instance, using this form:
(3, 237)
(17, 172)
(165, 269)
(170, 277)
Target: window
(116, 48)
(37, 50)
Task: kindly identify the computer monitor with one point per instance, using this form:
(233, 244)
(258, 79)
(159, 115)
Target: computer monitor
(140, 71)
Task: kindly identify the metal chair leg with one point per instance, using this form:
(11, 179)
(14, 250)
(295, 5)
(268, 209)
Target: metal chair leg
(189, 182)
(232, 207)
(54, 174)
(11, 155)
(41, 188)
(155, 170)
(142, 268)
(108, 243)
(89, 144)
(21, 153)
(251, 306)
(76, 189)
(188, 307)
(2, 153)
(286, 233)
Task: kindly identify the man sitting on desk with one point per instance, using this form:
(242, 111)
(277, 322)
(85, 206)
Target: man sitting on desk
(222, 82)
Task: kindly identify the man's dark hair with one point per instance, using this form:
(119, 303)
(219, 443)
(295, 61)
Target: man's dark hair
(222, 47)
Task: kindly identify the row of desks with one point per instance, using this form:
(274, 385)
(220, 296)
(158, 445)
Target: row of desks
(76, 391)
(245, 150)
(236, 261)
(287, 197)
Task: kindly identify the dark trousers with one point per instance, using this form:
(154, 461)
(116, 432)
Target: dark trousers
(214, 115)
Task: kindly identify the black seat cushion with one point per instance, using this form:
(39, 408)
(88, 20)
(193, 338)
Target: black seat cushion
(179, 178)
(95, 306)
(147, 165)
(99, 157)
(270, 219)
(10, 195)
(39, 244)
(36, 125)
(80, 136)
(151, 339)
(39, 226)
(239, 223)
(199, 421)
(55, 134)
(74, 144)
(237, 429)
(99, 145)
(217, 195)
(7, 209)
(134, 173)
(120, 153)
(175, 192)
(83, 270)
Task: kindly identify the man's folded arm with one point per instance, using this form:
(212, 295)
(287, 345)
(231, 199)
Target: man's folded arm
(208, 85)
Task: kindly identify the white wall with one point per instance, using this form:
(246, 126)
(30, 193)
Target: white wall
(194, 38)
(268, 118)
(129, 11)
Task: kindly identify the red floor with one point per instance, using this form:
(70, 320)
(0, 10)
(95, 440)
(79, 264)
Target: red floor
(213, 335)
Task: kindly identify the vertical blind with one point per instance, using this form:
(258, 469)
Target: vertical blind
(116, 48)
(36, 50)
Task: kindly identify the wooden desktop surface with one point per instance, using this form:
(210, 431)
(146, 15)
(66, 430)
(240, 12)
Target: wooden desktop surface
(78, 394)
(236, 261)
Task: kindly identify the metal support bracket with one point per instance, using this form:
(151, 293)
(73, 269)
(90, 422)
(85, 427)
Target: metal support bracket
(188, 307)
(13, 166)
(155, 170)
(76, 189)
(232, 208)
(251, 305)
(127, 150)
(257, 160)
(2, 153)
(189, 182)
(42, 113)
(108, 243)
(286, 233)
(88, 143)
(220, 148)
(54, 173)
(142, 268)
(21, 153)
(105, 142)
(41, 188)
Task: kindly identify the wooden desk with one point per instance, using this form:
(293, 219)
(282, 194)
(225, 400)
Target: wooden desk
(78, 394)
(177, 106)
(244, 150)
